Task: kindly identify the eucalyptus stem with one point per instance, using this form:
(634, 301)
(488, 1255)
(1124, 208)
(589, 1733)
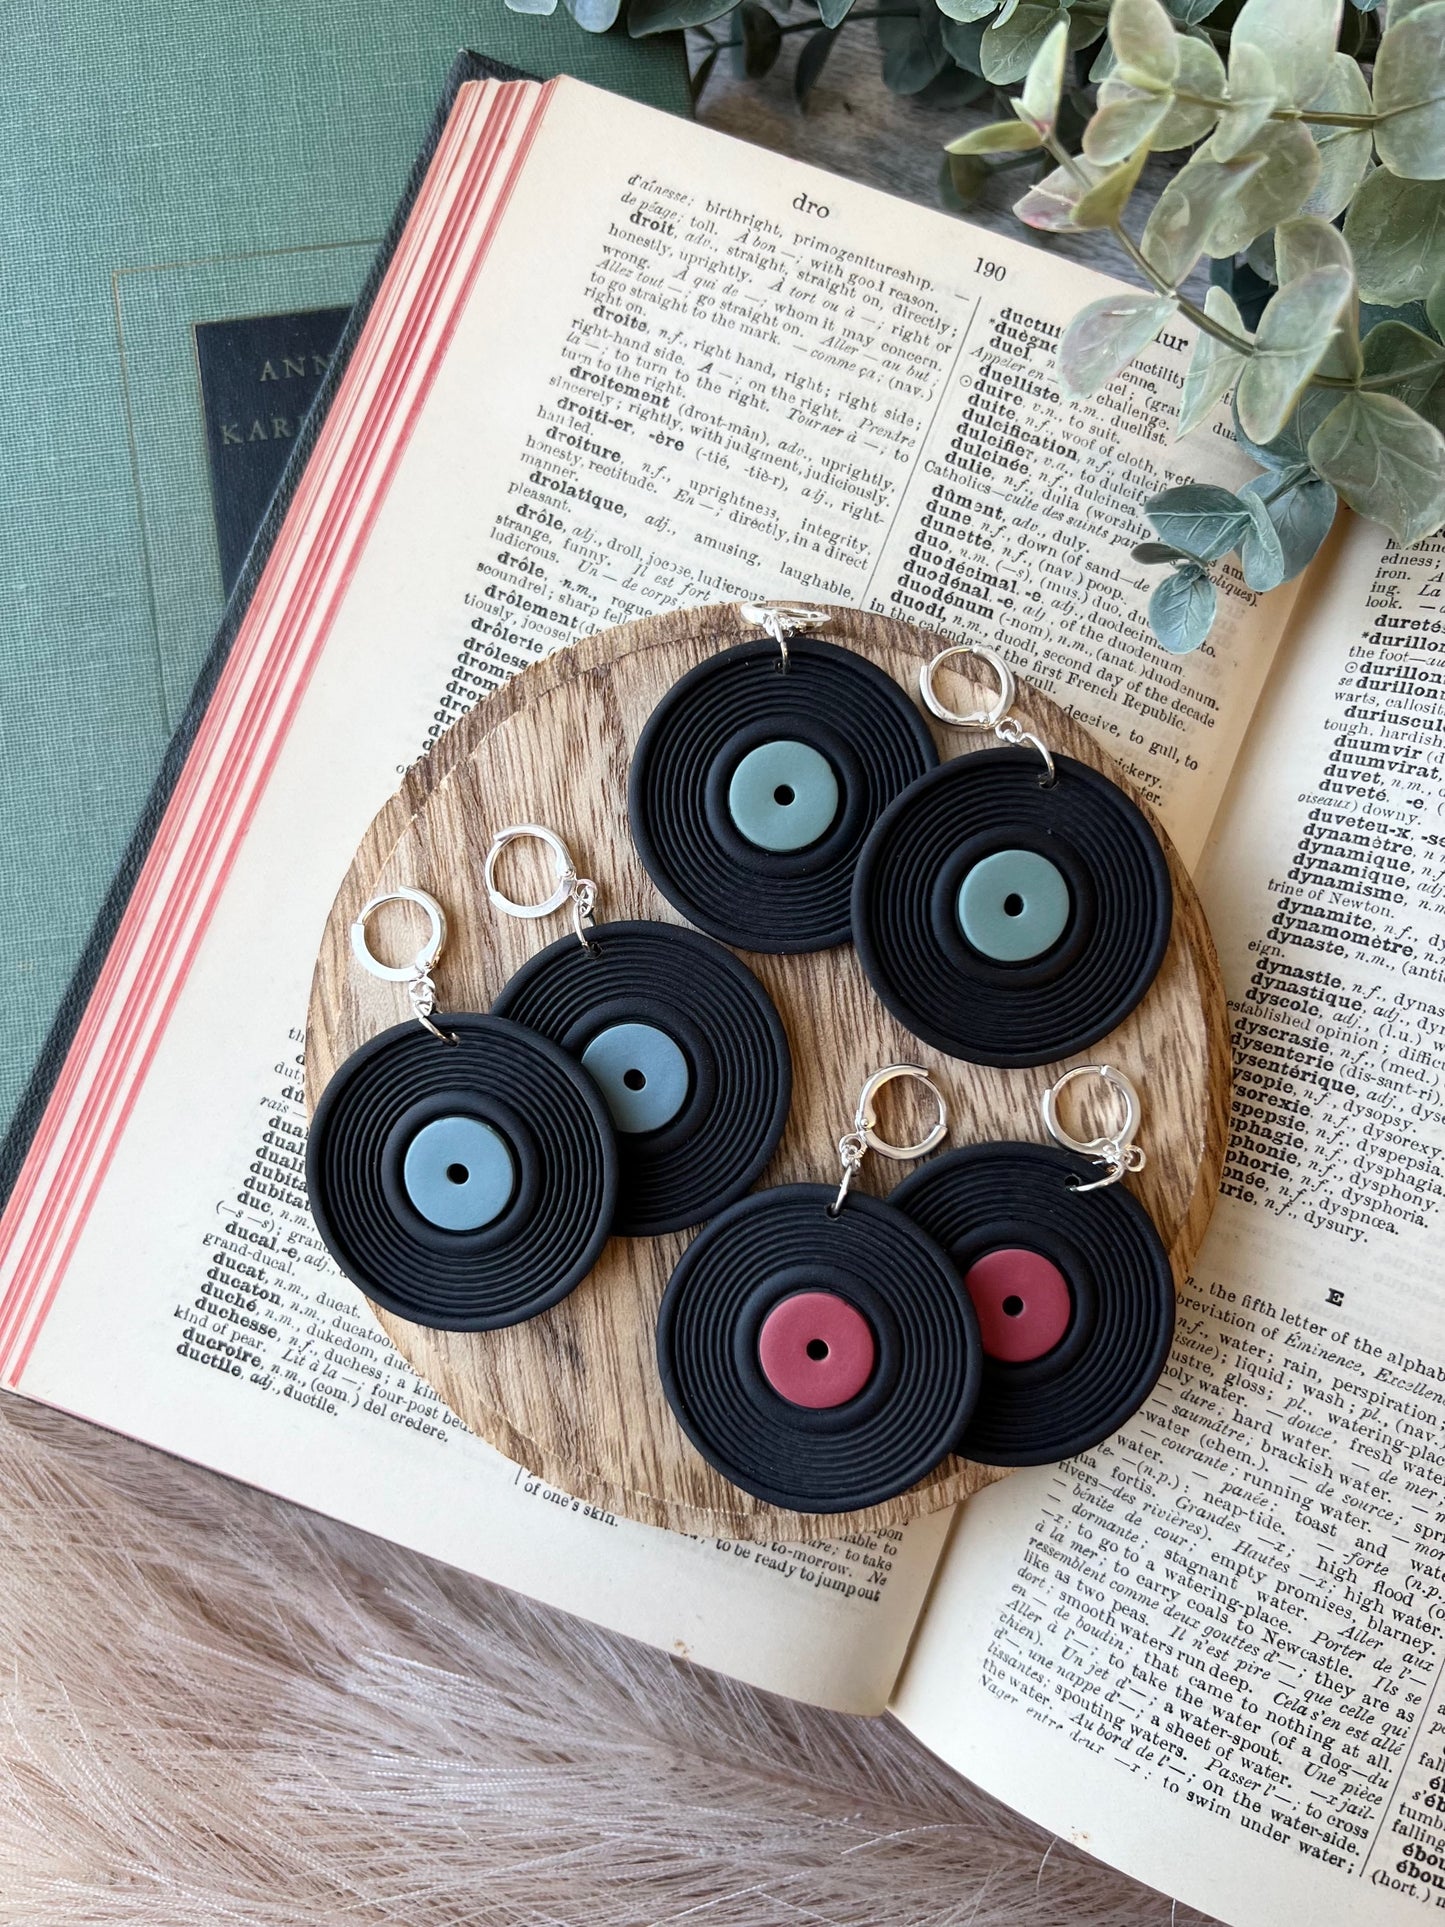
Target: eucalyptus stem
(1306, 114)
(1206, 324)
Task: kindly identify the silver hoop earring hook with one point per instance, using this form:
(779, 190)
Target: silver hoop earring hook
(579, 891)
(416, 975)
(864, 1137)
(779, 619)
(1116, 1149)
(996, 716)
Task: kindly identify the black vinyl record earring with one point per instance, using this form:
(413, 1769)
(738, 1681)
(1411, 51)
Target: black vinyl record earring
(1069, 1279)
(682, 1040)
(819, 1350)
(1012, 906)
(758, 776)
(461, 1170)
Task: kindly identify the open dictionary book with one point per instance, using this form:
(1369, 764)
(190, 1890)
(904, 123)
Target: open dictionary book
(618, 364)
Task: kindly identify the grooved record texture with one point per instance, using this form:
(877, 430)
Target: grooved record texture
(574, 1394)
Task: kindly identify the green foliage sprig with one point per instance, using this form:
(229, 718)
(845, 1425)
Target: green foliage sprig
(1313, 184)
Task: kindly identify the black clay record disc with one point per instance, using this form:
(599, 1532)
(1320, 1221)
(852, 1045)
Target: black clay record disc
(990, 807)
(836, 711)
(645, 994)
(463, 1186)
(988, 1199)
(871, 1267)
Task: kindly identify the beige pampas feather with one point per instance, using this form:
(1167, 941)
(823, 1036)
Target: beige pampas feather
(218, 1708)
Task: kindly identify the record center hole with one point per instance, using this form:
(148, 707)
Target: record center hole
(785, 794)
(635, 1080)
(458, 1173)
(1013, 905)
(817, 1348)
(1013, 1305)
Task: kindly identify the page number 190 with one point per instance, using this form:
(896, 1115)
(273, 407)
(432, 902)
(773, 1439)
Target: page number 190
(990, 270)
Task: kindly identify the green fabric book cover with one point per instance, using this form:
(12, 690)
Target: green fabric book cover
(176, 170)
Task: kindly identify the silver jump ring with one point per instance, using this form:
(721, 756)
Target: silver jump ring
(864, 1135)
(865, 1122)
(1117, 1150)
(777, 618)
(420, 965)
(997, 717)
(988, 718)
(563, 867)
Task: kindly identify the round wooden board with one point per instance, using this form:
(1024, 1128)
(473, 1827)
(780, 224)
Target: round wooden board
(574, 1395)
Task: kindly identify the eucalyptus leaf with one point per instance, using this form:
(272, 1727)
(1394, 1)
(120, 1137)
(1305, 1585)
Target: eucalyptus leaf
(833, 13)
(1214, 364)
(998, 137)
(1261, 554)
(1252, 95)
(1344, 151)
(1201, 72)
(1302, 511)
(1413, 363)
(1396, 232)
(762, 39)
(594, 16)
(963, 42)
(1259, 258)
(1104, 65)
(1106, 200)
(1181, 609)
(1105, 336)
(1297, 38)
(1294, 335)
(547, 6)
(1203, 520)
(1306, 243)
(1146, 47)
(1189, 13)
(1182, 217)
(1385, 461)
(1289, 449)
(1044, 81)
(1400, 8)
(1435, 305)
(1125, 121)
(1049, 205)
(1410, 94)
(1275, 190)
(811, 62)
(966, 10)
(961, 180)
(1010, 44)
(1251, 295)
(1156, 552)
(913, 49)
(666, 16)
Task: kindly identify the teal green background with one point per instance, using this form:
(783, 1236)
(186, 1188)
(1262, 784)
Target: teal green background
(165, 162)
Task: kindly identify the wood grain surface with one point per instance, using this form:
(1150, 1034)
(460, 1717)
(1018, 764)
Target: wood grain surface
(574, 1394)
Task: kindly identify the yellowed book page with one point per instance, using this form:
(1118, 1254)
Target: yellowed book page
(730, 376)
(1211, 1651)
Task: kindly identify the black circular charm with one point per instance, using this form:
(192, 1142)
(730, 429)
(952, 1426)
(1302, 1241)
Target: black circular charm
(755, 783)
(689, 1053)
(880, 1289)
(1073, 1291)
(1007, 922)
(463, 1186)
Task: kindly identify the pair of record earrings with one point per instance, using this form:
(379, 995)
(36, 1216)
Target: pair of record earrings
(1010, 907)
(466, 1169)
(825, 1351)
